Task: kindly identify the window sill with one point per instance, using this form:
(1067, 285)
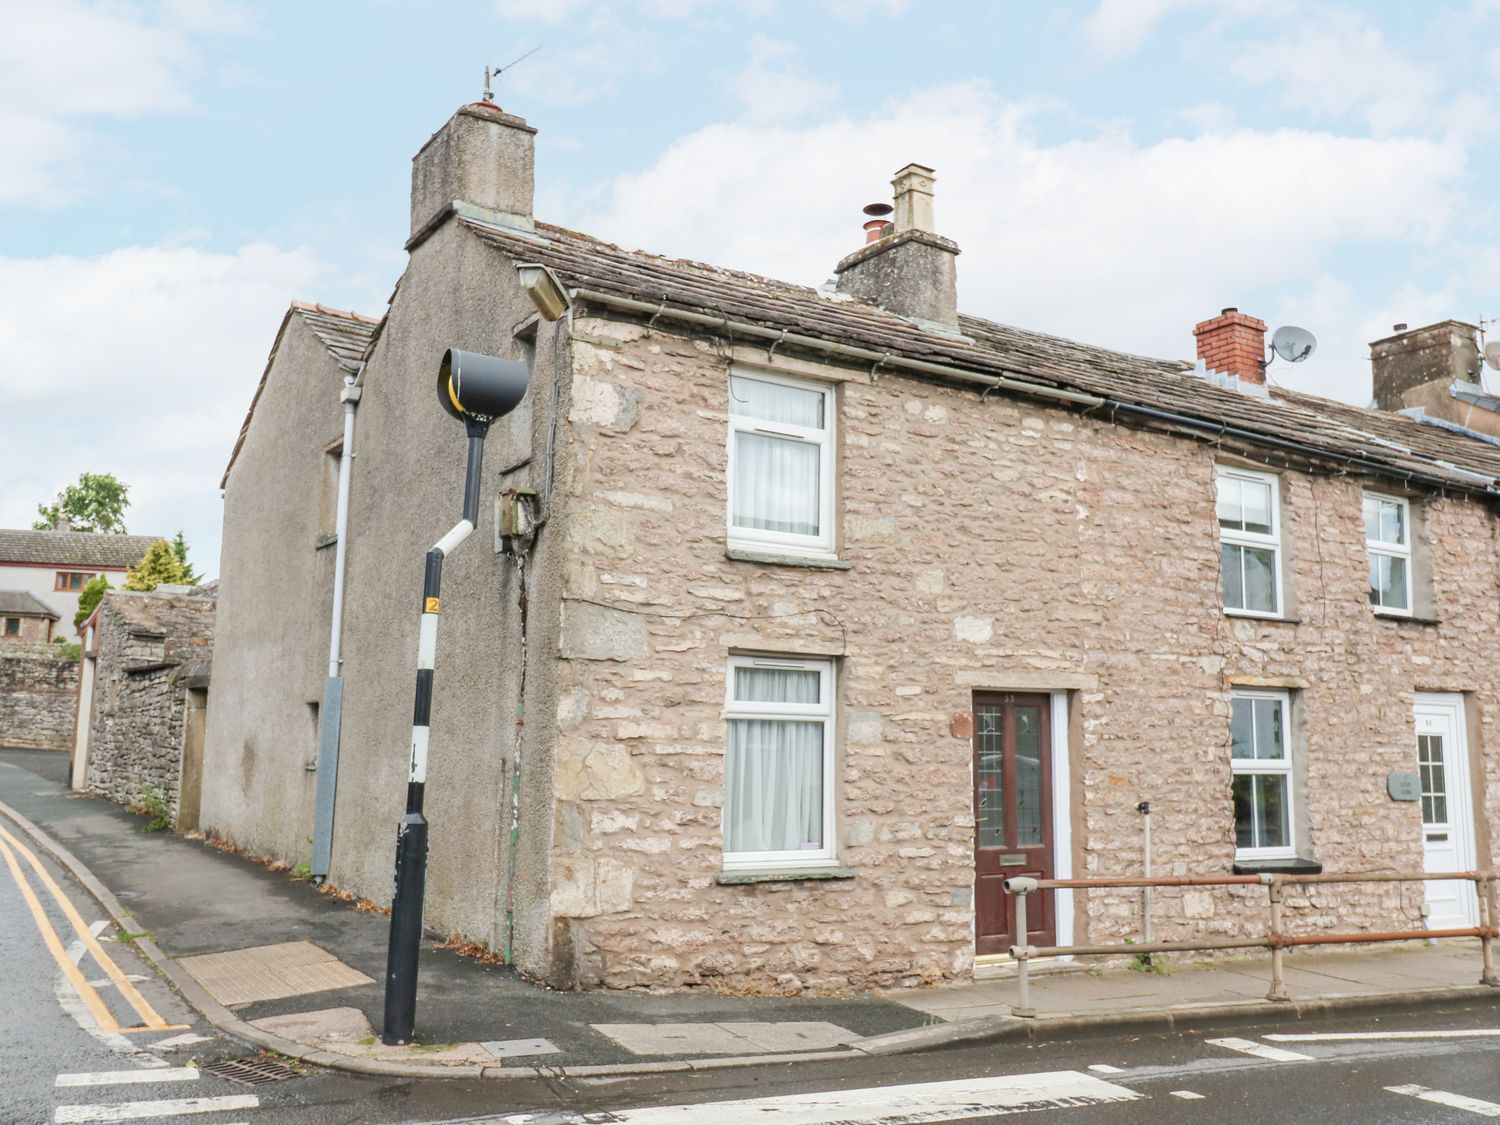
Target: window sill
(324, 541)
(773, 559)
(1405, 618)
(1277, 867)
(1241, 615)
(784, 875)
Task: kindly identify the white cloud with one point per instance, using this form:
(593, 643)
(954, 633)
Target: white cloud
(1099, 238)
(139, 362)
(772, 88)
(65, 63)
(1336, 63)
(1117, 27)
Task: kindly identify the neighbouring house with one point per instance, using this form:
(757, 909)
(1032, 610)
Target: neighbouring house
(25, 619)
(143, 698)
(38, 681)
(56, 565)
(798, 618)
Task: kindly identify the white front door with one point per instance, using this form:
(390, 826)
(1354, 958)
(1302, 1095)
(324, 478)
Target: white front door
(1447, 810)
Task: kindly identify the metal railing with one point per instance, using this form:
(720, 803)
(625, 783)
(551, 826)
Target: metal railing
(1275, 939)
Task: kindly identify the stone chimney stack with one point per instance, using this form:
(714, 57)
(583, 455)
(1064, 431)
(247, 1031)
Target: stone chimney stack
(62, 522)
(483, 156)
(1234, 344)
(1416, 367)
(909, 269)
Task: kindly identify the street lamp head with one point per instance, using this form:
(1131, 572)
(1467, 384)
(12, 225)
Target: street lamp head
(480, 388)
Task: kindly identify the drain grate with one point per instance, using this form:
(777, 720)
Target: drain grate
(251, 1072)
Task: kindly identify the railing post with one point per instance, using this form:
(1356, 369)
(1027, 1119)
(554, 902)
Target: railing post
(1021, 951)
(1278, 979)
(1484, 889)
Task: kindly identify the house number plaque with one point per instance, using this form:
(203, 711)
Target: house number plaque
(1404, 785)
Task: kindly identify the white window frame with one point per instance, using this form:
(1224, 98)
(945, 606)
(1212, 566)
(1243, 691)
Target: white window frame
(779, 542)
(1270, 766)
(824, 711)
(1392, 550)
(1252, 538)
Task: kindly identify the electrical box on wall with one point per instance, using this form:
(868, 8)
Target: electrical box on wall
(517, 514)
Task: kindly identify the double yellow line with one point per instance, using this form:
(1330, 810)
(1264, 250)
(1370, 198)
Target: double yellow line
(150, 1020)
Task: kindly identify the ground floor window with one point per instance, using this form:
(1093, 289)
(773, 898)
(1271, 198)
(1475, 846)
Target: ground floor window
(778, 762)
(1261, 757)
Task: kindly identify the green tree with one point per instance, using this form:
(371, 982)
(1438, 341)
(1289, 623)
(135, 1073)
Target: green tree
(96, 503)
(180, 548)
(93, 592)
(158, 565)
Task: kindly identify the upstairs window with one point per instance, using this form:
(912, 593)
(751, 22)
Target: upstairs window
(71, 580)
(1261, 758)
(12, 626)
(1249, 542)
(1388, 545)
(778, 763)
(780, 465)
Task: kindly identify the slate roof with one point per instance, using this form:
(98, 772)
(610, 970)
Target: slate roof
(23, 603)
(346, 335)
(81, 549)
(1395, 443)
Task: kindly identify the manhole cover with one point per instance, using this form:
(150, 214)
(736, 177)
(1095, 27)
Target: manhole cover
(251, 1072)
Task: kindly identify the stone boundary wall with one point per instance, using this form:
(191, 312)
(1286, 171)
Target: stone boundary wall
(38, 695)
(136, 729)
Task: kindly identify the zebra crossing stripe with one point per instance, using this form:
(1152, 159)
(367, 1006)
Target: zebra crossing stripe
(127, 1077)
(141, 1111)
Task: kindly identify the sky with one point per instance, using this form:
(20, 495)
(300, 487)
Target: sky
(172, 175)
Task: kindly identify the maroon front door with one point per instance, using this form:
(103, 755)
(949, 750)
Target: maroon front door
(1012, 816)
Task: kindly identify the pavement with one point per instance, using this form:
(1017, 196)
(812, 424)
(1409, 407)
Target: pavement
(272, 961)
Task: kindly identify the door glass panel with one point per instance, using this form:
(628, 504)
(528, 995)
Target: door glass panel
(1434, 783)
(990, 780)
(1028, 776)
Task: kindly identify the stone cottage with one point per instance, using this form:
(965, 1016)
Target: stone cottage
(143, 698)
(808, 615)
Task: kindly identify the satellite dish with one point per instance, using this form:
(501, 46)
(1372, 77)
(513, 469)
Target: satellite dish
(1293, 344)
(1492, 354)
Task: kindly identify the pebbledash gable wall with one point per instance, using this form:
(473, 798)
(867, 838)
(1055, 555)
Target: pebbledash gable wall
(139, 701)
(993, 544)
(38, 694)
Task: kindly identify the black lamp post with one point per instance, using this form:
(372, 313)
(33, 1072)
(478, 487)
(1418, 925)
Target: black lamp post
(475, 389)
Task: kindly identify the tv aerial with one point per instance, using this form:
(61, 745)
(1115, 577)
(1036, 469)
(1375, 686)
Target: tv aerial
(1293, 344)
(492, 73)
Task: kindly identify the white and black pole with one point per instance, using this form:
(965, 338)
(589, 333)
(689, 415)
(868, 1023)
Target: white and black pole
(476, 389)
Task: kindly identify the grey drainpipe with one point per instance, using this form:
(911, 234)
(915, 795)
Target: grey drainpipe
(330, 715)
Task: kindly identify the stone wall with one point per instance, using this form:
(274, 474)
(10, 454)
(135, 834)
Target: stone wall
(38, 694)
(136, 729)
(993, 544)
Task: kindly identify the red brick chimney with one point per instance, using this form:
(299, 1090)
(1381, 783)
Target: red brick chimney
(1234, 344)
